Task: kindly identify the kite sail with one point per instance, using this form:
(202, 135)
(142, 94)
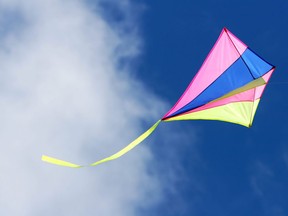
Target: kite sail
(228, 87)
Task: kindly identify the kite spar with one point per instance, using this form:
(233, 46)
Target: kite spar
(228, 87)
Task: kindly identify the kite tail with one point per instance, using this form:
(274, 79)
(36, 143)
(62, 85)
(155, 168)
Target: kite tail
(112, 157)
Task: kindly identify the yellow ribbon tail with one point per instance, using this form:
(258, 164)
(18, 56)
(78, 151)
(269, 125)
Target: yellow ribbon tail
(118, 154)
(129, 146)
(59, 162)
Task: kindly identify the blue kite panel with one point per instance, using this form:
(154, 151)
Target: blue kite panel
(236, 76)
(255, 63)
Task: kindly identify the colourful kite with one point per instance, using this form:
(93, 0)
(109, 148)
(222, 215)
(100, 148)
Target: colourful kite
(228, 87)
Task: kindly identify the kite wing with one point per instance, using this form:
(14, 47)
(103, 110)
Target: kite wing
(228, 87)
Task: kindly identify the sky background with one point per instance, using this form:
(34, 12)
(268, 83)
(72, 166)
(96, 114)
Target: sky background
(81, 79)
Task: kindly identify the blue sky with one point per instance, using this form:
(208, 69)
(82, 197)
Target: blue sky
(81, 79)
(240, 171)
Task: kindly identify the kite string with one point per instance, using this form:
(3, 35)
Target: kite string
(118, 154)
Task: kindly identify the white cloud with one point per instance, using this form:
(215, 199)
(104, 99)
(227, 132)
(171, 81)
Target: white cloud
(63, 93)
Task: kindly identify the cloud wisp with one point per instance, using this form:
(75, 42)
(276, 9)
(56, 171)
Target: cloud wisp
(62, 92)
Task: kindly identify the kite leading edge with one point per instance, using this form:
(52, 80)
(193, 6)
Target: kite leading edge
(228, 87)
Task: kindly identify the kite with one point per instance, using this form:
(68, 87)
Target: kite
(228, 87)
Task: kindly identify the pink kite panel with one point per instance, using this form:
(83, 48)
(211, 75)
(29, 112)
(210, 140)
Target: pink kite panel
(243, 96)
(240, 46)
(260, 89)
